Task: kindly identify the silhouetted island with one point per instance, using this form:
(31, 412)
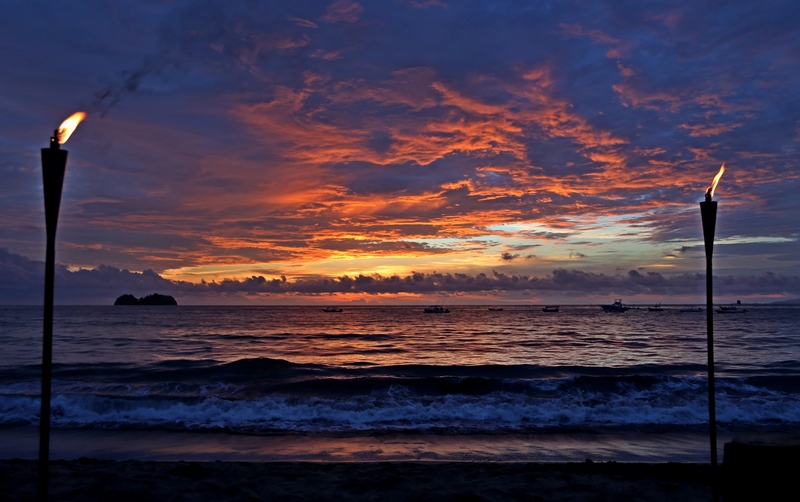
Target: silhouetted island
(154, 299)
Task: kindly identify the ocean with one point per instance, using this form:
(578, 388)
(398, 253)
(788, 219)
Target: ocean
(394, 383)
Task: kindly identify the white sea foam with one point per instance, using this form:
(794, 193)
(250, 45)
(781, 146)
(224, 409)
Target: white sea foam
(374, 369)
(401, 410)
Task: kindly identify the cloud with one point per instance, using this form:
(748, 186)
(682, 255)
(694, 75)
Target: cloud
(303, 22)
(425, 4)
(21, 280)
(706, 130)
(195, 38)
(343, 11)
(284, 136)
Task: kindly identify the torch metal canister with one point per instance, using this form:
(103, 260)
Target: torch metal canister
(54, 165)
(708, 214)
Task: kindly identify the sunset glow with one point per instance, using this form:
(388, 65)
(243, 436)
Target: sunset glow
(278, 153)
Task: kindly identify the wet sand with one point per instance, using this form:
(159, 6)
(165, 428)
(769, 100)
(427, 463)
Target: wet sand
(70, 444)
(150, 465)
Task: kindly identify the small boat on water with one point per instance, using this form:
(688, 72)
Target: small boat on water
(730, 309)
(550, 308)
(691, 309)
(436, 309)
(617, 306)
(496, 309)
(332, 309)
(656, 308)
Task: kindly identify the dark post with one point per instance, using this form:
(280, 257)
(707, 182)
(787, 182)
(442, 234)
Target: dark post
(708, 212)
(54, 163)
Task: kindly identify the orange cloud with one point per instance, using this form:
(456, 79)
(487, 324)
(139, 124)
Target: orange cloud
(424, 120)
(705, 130)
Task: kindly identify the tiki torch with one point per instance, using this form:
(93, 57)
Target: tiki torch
(708, 212)
(54, 164)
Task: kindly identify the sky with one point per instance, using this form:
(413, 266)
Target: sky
(402, 151)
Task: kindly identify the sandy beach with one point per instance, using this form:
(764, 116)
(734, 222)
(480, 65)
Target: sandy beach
(753, 467)
(90, 479)
(137, 465)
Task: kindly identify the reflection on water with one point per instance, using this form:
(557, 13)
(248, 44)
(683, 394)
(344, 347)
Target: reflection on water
(579, 335)
(367, 371)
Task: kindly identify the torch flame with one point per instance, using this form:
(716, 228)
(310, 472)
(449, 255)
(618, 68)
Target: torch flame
(710, 191)
(67, 127)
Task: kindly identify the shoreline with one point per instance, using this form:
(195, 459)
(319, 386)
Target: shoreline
(70, 444)
(104, 465)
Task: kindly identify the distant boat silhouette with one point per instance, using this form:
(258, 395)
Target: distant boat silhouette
(730, 309)
(436, 309)
(617, 306)
(552, 308)
(332, 309)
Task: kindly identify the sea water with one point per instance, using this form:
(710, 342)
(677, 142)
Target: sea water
(517, 382)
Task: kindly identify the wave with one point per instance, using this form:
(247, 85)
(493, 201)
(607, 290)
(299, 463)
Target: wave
(398, 409)
(266, 368)
(266, 396)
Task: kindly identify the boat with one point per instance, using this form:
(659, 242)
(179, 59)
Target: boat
(691, 309)
(332, 309)
(551, 308)
(496, 309)
(436, 309)
(730, 309)
(656, 308)
(617, 306)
